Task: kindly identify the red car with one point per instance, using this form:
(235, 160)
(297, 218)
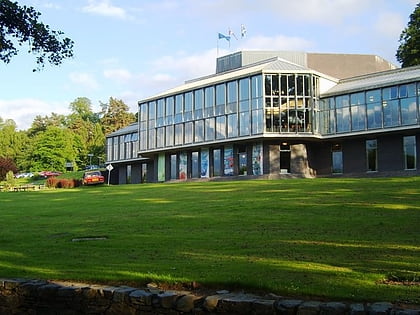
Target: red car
(93, 178)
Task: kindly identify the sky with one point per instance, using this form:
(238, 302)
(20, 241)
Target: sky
(134, 49)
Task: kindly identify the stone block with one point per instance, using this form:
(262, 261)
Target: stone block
(187, 303)
(263, 307)
(141, 297)
(287, 307)
(167, 299)
(380, 308)
(309, 308)
(333, 308)
(357, 309)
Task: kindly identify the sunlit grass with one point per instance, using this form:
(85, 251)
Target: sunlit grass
(331, 238)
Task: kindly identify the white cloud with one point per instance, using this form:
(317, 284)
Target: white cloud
(279, 42)
(389, 24)
(105, 8)
(119, 75)
(23, 111)
(84, 79)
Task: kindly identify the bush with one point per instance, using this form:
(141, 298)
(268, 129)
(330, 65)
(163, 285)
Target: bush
(54, 182)
(6, 165)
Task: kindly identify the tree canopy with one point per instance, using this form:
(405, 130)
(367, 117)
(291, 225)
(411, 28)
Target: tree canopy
(54, 140)
(408, 53)
(19, 25)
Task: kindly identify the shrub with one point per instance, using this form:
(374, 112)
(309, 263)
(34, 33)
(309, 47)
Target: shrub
(54, 182)
(6, 165)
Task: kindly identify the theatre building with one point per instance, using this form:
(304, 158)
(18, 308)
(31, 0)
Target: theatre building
(267, 114)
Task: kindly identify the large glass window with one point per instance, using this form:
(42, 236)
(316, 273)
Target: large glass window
(244, 124)
(160, 113)
(179, 108)
(198, 104)
(220, 99)
(221, 127)
(209, 101)
(232, 97)
(358, 117)
(391, 110)
(256, 92)
(371, 155)
(257, 121)
(374, 115)
(179, 134)
(408, 111)
(410, 157)
(210, 132)
(160, 137)
(343, 119)
(169, 115)
(169, 136)
(199, 131)
(189, 132)
(188, 106)
(232, 125)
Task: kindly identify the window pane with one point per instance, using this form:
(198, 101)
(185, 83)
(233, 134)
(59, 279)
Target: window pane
(257, 121)
(373, 96)
(199, 131)
(391, 113)
(232, 125)
(357, 98)
(256, 86)
(374, 115)
(220, 94)
(358, 117)
(210, 129)
(244, 89)
(189, 132)
(343, 119)
(221, 127)
(244, 124)
(408, 111)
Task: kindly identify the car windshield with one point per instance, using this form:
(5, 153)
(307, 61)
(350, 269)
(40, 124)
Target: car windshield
(88, 174)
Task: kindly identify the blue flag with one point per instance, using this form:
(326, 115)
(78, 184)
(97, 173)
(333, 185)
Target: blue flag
(224, 36)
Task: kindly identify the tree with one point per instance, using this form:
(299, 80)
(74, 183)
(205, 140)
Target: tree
(41, 124)
(51, 150)
(12, 142)
(20, 24)
(408, 53)
(116, 115)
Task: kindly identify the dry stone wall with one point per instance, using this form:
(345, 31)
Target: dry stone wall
(20, 296)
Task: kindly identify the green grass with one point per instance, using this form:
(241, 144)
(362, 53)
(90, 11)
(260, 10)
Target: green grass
(332, 238)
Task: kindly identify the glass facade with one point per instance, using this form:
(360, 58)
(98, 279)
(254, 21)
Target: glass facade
(221, 128)
(388, 107)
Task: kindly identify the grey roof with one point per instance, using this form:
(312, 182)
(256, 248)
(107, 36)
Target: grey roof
(273, 64)
(375, 80)
(126, 130)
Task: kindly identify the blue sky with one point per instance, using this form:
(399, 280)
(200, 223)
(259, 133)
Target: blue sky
(132, 49)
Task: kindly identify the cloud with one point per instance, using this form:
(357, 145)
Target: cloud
(105, 8)
(279, 42)
(23, 111)
(119, 75)
(389, 24)
(84, 79)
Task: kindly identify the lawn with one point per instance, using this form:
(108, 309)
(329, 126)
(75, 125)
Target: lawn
(326, 238)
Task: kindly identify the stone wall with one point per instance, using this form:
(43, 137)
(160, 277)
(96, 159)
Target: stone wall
(20, 296)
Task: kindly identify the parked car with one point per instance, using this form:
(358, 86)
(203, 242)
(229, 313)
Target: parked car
(93, 178)
(47, 174)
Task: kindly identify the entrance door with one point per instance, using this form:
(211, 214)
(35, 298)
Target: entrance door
(285, 158)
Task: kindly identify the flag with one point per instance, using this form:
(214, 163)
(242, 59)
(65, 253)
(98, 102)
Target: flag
(221, 36)
(243, 31)
(231, 33)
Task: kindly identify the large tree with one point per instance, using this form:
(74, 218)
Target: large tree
(408, 53)
(19, 25)
(116, 115)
